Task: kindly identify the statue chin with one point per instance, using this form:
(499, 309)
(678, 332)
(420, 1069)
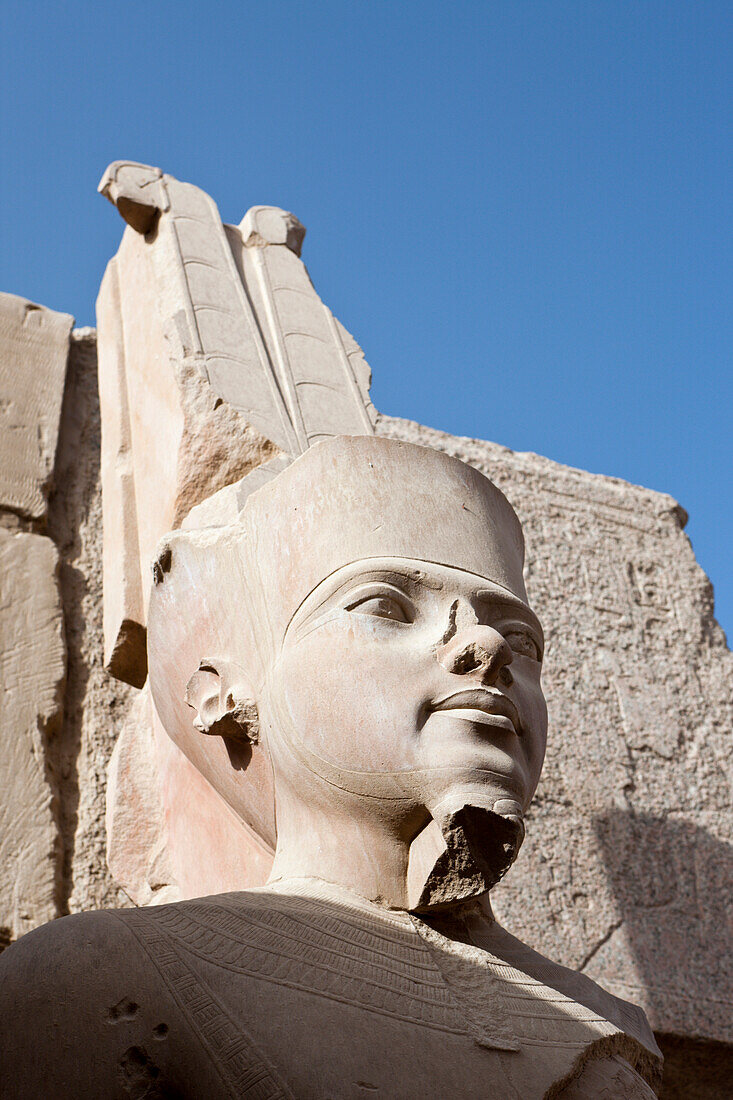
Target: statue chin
(465, 851)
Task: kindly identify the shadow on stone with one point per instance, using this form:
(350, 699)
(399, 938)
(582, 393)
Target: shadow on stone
(672, 881)
(94, 704)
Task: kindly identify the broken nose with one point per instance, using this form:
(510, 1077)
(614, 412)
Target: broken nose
(487, 654)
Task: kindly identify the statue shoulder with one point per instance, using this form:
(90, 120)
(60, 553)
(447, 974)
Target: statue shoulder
(579, 987)
(82, 1010)
(86, 948)
(610, 1077)
(636, 1047)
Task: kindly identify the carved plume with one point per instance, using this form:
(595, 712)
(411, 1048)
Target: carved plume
(238, 302)
(216, 358)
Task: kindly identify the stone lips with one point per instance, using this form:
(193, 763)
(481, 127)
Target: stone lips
(626, 870)
(624, 875)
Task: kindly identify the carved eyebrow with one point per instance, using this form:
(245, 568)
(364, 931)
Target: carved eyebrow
(384, 574)
(435, 584)
(511, 604)
(490, 595)
(381, 575)
(376, 589)
(388, 577)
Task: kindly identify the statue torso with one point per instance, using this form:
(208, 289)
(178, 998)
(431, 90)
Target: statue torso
(306, 991)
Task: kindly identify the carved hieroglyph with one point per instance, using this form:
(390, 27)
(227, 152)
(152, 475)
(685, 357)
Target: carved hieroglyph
(216, 354)
(627, 862)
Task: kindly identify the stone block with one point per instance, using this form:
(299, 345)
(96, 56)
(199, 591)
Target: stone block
(34, 347)
(32, 670)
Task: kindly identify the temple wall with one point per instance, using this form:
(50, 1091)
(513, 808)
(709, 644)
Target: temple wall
(625, 868)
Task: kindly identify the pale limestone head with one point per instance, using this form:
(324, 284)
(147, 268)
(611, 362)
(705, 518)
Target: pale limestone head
(361, 640)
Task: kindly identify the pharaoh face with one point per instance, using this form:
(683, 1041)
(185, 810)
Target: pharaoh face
(369, 605)
(401, 680)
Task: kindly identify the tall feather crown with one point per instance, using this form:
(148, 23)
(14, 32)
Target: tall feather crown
(217, 359)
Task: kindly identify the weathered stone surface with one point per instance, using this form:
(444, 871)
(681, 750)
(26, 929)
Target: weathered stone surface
(625, 873)
(95, 705)
(123, 613)
(34, 344)
(32, 668)
(168, 442)
(237, 303)
(154, 793)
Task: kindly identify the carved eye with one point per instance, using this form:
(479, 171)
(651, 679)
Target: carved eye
(382, 607)
(522, 642)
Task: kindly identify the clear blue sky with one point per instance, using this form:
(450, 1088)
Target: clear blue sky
(521, 209)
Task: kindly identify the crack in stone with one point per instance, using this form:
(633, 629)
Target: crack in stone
(597, 947)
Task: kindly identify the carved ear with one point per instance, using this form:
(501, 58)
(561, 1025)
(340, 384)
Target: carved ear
(222, 698)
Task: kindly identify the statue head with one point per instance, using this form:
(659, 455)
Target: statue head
(356, 657)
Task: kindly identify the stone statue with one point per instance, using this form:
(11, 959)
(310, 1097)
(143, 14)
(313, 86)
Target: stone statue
(354, 667)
